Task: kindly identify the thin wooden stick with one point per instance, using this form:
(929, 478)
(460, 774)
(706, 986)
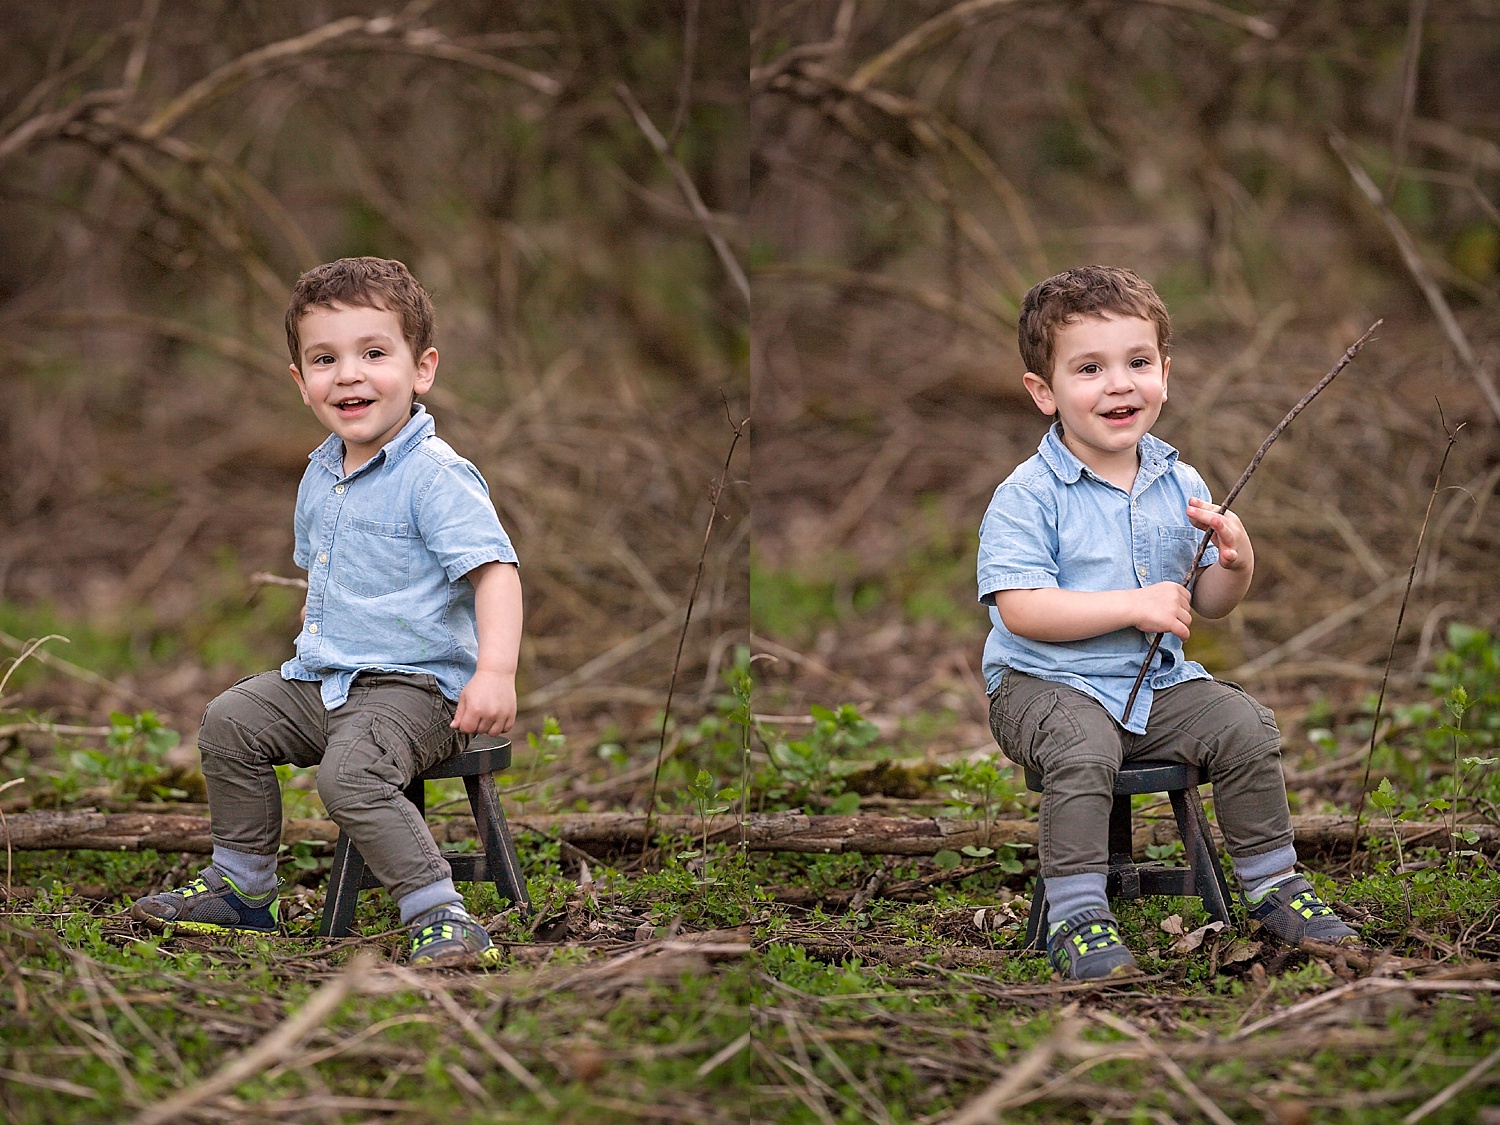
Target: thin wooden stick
(1385, 675)
(1014, 1082)
(1412, 256)
(1205, 1104)
(1192, 574)
(1443, 1096)
(274, 1047)
(716, 491)
(689, 191)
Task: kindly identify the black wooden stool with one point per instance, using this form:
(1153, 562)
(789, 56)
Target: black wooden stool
(495, 861)
(1202, 876)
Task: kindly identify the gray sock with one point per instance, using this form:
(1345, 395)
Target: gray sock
(1068, 896)
(254, 876)
(428, 898)
(1258, 874)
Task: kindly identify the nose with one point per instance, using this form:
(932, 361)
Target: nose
(1118, 379)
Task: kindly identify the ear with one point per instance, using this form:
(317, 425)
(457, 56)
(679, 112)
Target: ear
(1166, 369)
(301, 386)
(1040, 392)
(427, 364)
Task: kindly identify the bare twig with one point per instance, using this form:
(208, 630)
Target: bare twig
(4, 827)
(715, 492)
(68, 668)
(1192, 574)
(271, 1048)
(31, 646)
(484, 1039)
(1447, 1093)
(685, 81)
(689, 191)
(722, 1056)
(1422, 275)
(1413, 58)
(987, 1106)
(1411, 577)
(265, 578)
(1168, 1066)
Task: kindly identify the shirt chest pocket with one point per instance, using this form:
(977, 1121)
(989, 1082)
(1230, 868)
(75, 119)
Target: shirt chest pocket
(374, 558)
(1175, 548)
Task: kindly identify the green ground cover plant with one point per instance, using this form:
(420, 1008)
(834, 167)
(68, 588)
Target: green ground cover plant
(767, 986)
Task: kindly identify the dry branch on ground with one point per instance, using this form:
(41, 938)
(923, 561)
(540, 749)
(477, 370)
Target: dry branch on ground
(614, 833)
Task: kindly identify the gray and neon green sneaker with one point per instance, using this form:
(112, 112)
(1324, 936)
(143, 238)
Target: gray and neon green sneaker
(1292, 911)
(210, 904)
(1088, 947)
(448, 938)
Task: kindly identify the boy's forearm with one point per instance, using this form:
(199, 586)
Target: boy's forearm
(1219, 590)
(498, 614)
(1064, 615)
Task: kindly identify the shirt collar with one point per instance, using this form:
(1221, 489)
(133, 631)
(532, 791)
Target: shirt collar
(1157, 457)
(418, 428)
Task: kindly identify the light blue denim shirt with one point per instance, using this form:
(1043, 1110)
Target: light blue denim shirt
(1054, 524)
(385, 549)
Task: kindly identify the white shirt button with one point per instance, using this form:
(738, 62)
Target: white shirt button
(322, 556)
(313, 628)
(339, 489)
(1141, 571)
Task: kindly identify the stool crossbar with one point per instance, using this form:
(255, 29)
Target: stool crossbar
(1202, 877)
(495, 861)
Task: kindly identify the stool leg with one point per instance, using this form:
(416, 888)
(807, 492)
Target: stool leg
(1208, 876)
(501, 861)
(343, 889)
(1036, 921)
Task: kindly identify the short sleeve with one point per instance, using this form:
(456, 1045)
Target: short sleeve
(1195, 485)
(302, 522)
(1017, 543)
(458, 523)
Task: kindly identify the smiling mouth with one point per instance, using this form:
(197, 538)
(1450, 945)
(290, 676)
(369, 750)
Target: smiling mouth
(352, 403)
(1122, 413)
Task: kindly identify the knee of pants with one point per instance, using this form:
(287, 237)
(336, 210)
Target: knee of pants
(1076, 776)
(221, 734)
(1248, 735)
(356, 772)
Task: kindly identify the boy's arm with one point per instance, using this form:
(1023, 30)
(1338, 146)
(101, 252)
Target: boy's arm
(1220, 587)
(1051, 614)
(487, 705)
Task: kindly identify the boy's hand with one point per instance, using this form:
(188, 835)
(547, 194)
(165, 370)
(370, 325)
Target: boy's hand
(1163, 608)
(1230, 536)
(487, 705)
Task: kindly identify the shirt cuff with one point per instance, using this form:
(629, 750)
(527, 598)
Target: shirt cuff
(994, 582)
(465, 563)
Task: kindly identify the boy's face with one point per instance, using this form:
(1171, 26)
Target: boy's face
(1109, 380)
(359, 376)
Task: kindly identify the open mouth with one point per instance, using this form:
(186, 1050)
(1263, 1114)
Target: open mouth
(349, 405)
(1122, 413)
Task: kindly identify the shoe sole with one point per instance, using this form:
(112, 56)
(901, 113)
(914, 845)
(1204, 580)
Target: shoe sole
(167, 925)
(458, 958)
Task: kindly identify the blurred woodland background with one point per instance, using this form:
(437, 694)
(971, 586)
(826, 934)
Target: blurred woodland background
(917, 166)
(167, 169)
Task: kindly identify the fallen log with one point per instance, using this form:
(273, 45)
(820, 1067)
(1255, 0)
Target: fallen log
(613, 833)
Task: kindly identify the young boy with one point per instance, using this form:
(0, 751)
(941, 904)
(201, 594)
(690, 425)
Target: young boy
(1081, 557)
(410, 631)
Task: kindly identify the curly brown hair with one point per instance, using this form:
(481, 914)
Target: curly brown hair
(374, 283)
(1085, 291)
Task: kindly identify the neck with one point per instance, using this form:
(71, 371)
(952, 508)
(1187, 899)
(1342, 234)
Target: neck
(1117, 468)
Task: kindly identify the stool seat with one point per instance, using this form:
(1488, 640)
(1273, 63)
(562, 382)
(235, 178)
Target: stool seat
(1203, 876)
(1141, 777)
(496, 860)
